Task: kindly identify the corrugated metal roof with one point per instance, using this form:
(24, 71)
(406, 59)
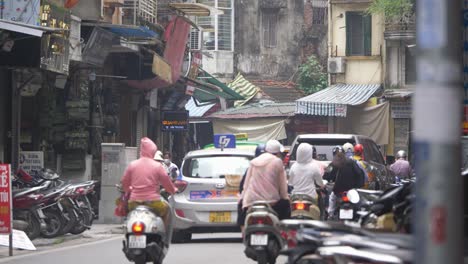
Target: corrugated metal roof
(398, 93)
(263, 109)
(133, 32)
(333, 101)
(197, 111)
(243, 87)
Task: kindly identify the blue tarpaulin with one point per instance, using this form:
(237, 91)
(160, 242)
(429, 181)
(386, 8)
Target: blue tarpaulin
(133, 32)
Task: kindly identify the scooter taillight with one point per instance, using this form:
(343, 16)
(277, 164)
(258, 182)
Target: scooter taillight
(80, 190)
(138, 228)
(290, 237)
(345, 199)
(301, 206)
(181, 185)
(263, 220)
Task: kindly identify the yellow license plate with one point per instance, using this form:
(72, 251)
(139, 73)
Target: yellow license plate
(220, 217)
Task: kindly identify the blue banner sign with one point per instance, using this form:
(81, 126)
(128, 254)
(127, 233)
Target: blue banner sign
(224, 141)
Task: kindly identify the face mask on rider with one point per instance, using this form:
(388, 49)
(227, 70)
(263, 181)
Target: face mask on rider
(167, 162)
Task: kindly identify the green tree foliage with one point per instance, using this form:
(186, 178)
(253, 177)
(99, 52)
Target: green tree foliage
(312, 77)
(394, 10)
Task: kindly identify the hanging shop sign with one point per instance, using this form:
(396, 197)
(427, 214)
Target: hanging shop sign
(174, 120)
(5, 199)
(55, 47)
(31, 160)
(401, 109)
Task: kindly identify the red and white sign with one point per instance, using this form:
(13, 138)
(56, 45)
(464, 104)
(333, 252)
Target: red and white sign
(5, 199)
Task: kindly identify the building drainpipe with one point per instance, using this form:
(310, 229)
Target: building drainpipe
(437, 122)
(330, 36)
(16, 123)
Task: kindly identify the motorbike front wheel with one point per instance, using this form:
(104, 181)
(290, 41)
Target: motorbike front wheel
(85, 220)
(54, 224)
(34, 227)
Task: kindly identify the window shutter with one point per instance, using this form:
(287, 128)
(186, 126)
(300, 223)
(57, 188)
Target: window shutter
(348, 34)
(195, 39)
(367, 24)
(273, 29)
(265, 28)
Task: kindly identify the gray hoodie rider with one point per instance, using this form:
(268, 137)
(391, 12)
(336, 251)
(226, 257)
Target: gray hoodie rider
(305, 173)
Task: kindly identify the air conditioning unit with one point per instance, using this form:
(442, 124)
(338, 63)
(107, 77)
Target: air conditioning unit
(336, 65)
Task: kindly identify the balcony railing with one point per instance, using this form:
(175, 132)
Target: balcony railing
(137, 12)
(403, 23)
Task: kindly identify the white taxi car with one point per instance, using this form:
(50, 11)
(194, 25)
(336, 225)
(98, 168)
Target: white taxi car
(209, 191)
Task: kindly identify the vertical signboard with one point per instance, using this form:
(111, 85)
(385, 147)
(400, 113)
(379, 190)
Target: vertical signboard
(6, 215)
(5, 199)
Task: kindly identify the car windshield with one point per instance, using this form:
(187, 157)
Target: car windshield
(324, 147)
(215, 166)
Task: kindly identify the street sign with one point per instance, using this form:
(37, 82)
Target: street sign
(31, 161)
(224, 141)
(5, 199)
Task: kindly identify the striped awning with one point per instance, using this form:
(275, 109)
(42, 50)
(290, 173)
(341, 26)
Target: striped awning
(333, 101)
(243, 87)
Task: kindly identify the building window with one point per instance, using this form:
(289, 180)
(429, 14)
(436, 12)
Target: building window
(195, 39)
(319, 12)
(358, 34)
(217, 30)
(410, 66)
(269, 26)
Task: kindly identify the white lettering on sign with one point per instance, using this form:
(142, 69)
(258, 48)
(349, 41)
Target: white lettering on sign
(4, 180)
(224, 140)
(4, 197)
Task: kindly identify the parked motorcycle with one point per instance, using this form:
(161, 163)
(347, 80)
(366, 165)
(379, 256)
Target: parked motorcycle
(262, 237)
(27, 212)
(326, 242)
(147, 237)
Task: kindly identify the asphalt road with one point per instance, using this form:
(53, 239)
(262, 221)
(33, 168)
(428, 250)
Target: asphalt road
(209, 248)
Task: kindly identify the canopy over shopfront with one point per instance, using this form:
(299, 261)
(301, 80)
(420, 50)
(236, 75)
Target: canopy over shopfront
(261, 121)
(334, 100)
(208, 88)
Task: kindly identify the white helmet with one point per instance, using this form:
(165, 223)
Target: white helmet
(401, 154)
(348, 147)
(158, 156)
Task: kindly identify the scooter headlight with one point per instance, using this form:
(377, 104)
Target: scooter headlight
(138, 228)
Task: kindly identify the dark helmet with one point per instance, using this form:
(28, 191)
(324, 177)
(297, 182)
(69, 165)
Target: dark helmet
(337, 149)
(260, 149)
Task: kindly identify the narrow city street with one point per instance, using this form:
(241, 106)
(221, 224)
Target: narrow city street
(204, 248)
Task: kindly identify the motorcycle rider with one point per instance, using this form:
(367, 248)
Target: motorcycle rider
(172, 169)
(401, 168)
(266, 181)
(241, 214)
(346, 175)
(359, 158)
(142, 179)
(305, 173)
(348, 149)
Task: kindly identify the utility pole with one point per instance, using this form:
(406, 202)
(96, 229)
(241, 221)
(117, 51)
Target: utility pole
(437, 117)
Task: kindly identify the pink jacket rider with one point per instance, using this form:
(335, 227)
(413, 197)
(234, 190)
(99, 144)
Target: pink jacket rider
(143, 176)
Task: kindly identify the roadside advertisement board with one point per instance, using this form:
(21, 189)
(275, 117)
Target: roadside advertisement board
(174, 121)
(5, 199)
(31, 161)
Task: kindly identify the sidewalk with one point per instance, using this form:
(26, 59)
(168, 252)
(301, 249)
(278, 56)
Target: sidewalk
(97, 231)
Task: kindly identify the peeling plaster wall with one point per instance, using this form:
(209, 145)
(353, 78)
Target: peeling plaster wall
(251, 57)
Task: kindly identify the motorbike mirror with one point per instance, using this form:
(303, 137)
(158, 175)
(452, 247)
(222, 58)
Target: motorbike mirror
(353, 196)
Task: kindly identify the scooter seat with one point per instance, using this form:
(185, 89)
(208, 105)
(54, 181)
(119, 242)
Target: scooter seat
(303, 197)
